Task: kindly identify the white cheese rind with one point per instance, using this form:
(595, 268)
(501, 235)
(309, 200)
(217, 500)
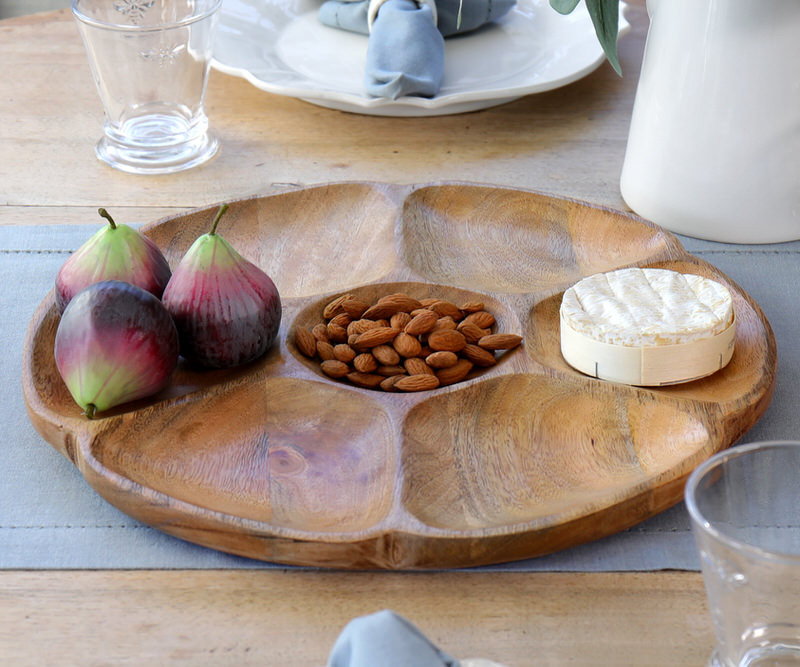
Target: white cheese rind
(647, 327)
(644, 307)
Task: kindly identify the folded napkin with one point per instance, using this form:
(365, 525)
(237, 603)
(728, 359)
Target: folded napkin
(388, 640)
(405, 51)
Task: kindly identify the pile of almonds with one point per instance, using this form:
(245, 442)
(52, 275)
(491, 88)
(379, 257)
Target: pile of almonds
(400, 343)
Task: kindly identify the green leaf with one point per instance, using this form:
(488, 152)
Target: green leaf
(605, 16)
(564, 6)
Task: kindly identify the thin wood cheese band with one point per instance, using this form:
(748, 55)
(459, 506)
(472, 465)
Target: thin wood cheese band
(647, 327)
(647, 366)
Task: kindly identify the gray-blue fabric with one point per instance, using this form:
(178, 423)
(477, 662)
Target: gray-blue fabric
(394, 67)
(51, 518)
(405, 52)
(386, 639)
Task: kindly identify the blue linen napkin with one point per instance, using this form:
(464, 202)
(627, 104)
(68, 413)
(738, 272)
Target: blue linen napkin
(386, 639)
(405, 51)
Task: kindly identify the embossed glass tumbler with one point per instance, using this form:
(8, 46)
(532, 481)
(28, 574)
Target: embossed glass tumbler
(744, 505)
(150, 60)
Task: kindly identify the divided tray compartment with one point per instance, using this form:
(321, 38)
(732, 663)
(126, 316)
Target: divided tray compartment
(277, 462)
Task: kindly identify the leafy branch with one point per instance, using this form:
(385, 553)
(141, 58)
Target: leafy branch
(605, 17)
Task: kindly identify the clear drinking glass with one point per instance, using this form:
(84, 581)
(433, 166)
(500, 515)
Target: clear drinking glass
(744, 505)
(150, 60)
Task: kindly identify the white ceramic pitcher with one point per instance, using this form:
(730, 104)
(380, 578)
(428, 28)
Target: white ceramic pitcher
(714, 144)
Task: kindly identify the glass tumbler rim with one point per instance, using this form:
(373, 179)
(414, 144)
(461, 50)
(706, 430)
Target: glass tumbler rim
(133, 28)
(697, 517)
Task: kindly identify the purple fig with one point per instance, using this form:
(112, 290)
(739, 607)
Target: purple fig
(227, 310)
(114, 252)
(115, 343)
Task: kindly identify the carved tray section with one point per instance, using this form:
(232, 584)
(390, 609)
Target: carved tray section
(277, 462)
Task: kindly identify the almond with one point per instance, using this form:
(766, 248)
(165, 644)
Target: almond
(360, 326)
(335, 369)
(365, 363)
(400, 320)
(472, 307)
(421, 323)
(406, 345)
(325, 350)
(441, 359)
(375, 337)
(386, 355)
(320, 332)
(342, 320)
(482, 318)
(500, 341)
(404, 302)
(472, 332)
(443, 308)
(445, 322)
(388, 371)
(479, 356)
(447, 339)
(352, 338)
(305, 341)
(335, 306)
(354, 307)
(343, 352)
(416, 383)
(389, 383)
(391, 304)
(417, 366)
(427, 302)
(366, 380)
(454, 373)
(336, 333)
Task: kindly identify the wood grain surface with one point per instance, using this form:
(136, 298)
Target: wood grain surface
(292, 618)
(278, 462)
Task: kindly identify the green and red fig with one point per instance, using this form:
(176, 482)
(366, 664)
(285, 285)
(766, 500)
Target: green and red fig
(227, 309)
(114, 252)
(115, 343)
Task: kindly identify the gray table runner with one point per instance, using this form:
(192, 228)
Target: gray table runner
(51, 518)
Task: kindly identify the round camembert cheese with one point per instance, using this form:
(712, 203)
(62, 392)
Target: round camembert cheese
(647, 326)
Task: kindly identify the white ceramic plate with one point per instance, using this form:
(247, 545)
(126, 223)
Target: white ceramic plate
(281, 47)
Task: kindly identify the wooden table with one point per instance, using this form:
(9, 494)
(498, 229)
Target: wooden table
(568, 142)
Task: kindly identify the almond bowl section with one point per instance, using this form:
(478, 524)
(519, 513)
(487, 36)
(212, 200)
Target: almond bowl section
(373, 335)
(284, 461)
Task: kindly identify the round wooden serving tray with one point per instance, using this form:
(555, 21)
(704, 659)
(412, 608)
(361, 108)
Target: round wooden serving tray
(277, 462)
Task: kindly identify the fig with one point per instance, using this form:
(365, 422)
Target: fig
(115, 343)
(226, 309)
(114, 252)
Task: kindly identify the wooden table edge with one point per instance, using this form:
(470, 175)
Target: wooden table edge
(292, 616)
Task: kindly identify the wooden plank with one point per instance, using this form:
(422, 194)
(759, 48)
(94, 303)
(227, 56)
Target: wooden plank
(280, 618)
(568, 141)
(84, 215)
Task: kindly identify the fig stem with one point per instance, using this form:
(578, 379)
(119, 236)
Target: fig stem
(220, 213)
(105, 214)
(91, 411)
